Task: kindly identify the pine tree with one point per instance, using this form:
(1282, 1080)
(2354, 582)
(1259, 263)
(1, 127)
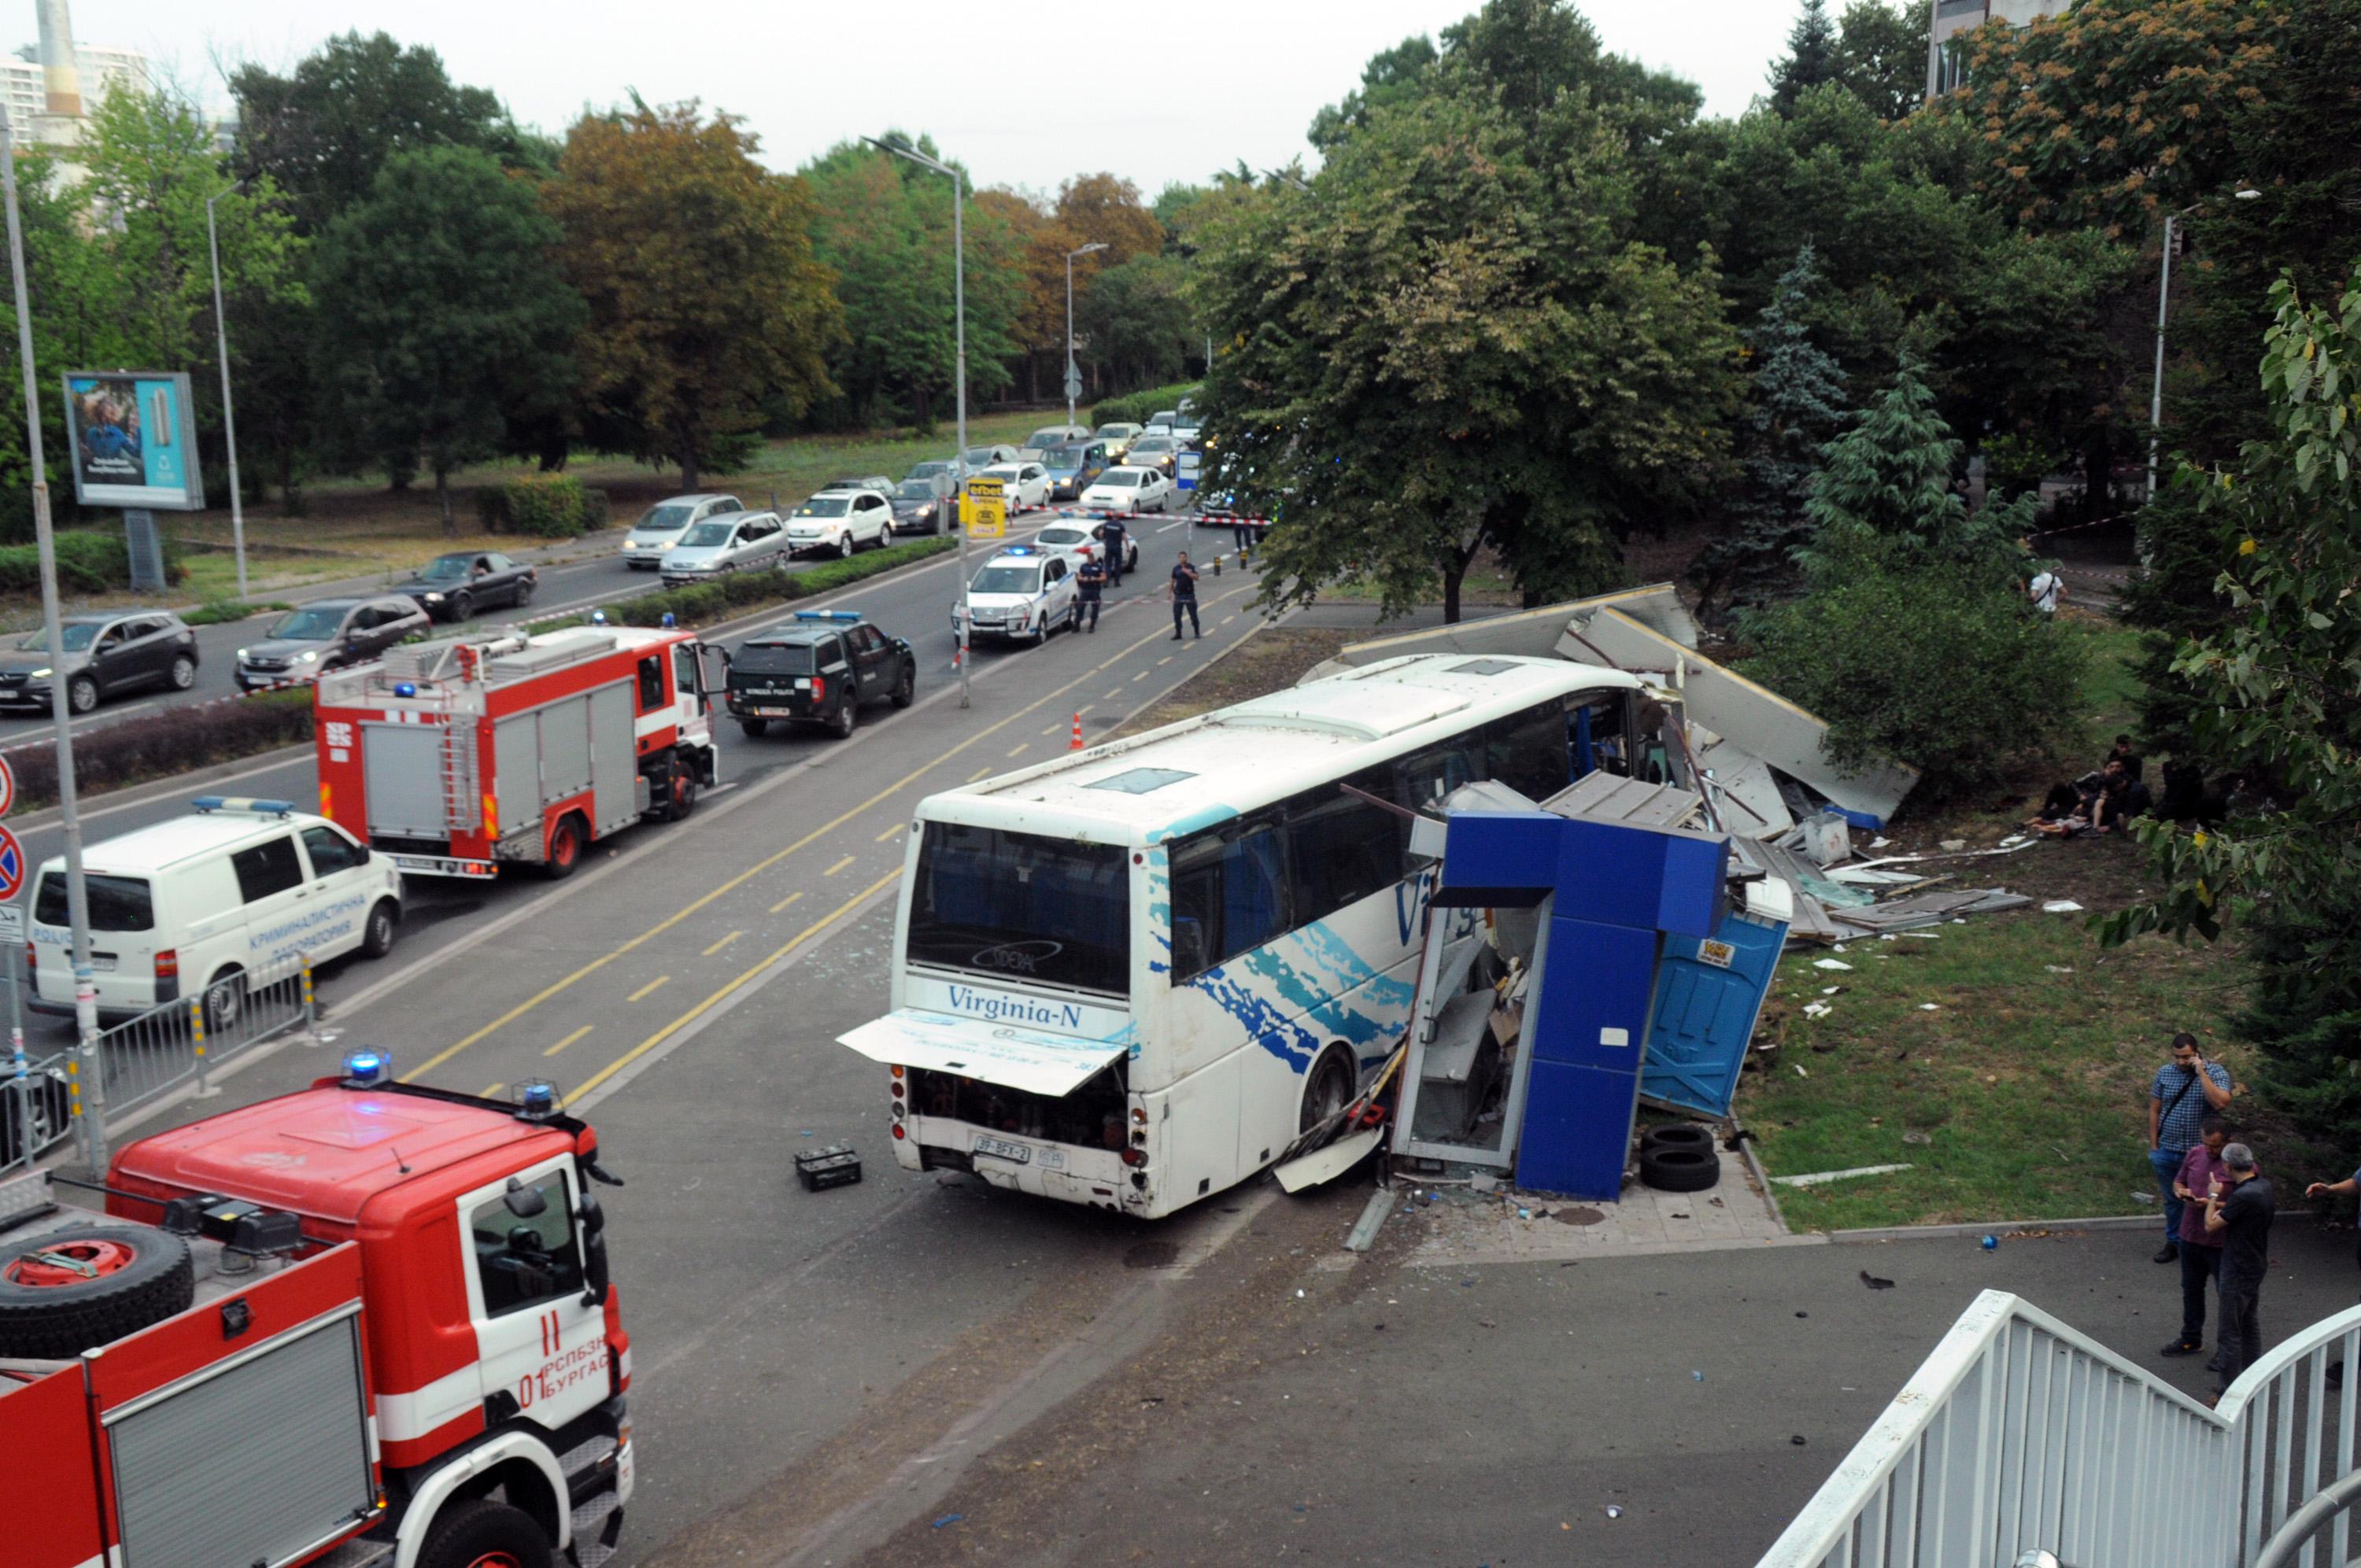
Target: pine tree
(1813, 57)
(1797, 402)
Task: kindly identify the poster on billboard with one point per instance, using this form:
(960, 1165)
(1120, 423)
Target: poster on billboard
(134, 438)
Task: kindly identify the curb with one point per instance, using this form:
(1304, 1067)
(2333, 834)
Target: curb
(2005, 1229)
(1760, 1177)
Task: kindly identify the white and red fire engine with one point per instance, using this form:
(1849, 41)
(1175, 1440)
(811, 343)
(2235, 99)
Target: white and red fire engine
(455, 756)
(364, 1325)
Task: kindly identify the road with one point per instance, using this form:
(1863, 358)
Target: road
(685, 991)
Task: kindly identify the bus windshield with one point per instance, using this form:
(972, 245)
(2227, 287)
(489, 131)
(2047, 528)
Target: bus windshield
(1016, 906)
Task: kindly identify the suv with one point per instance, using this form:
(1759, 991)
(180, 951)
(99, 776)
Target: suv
(665, 523)
(1022, 594)
(819, 669)
(104, 655)
(838, 521)
(324, 635)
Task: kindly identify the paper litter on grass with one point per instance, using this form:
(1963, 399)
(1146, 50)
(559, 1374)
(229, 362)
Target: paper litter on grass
(2060, 906)
(1830, 963)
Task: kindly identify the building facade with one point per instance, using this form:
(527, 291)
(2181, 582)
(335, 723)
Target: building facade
(1945, 71)
(101, 71)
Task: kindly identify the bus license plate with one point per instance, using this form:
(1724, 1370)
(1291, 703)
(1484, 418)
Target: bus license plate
(1019, 1153)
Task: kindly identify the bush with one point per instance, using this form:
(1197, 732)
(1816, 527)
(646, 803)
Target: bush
(90, 561)
(597, 511)
(1135, 407)
(709, 602)
(541, 506)
(231, 609)
(1938, 667)
(165, 744)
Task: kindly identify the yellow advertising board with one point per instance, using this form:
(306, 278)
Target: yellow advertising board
(984, 510)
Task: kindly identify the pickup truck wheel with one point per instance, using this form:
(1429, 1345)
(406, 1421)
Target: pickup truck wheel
(565, 849)
(906, 690)
(377, 936)
(79, 1288)
(224, 1001)
(754, 728)
(486, 1534)
(846, 719)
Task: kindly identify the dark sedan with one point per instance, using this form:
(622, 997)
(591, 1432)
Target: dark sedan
(922, 506)
(454, 587)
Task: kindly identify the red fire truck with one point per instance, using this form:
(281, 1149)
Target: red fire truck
(364, 1325)
(456, 756)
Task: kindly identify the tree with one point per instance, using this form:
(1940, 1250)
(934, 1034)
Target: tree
(1797, 403)
(1440, 342)
(1392, 76)
(1813, 57)
(1136, 321)
(1912, 639)
(2277, 701)
(1881, 55)
(1106, 210)
(446, 310)
(322, 132)
(705, 297)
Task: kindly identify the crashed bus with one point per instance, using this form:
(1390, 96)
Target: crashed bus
(1133, 976)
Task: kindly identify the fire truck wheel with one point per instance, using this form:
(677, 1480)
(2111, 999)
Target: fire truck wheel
(682, 787)
(377, 936)
(82, 1288)
(485, 1534)
(565, 849)
(753, 726)
(906, 690)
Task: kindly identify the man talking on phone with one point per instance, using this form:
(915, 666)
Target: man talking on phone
(2186, 1091)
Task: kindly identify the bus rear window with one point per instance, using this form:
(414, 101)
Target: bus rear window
(1016, 906)
(117, 903)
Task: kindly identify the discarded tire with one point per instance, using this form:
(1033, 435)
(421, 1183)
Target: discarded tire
(67, 1291)
(1679, 1171)
(1678, 1135)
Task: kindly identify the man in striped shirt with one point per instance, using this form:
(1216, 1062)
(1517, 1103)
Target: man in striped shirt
(2186, 1091)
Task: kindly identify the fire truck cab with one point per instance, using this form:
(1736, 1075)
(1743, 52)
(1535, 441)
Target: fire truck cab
(456, 756)
(364, 1325)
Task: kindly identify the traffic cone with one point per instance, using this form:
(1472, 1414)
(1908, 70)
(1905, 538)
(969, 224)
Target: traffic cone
(1076, 743)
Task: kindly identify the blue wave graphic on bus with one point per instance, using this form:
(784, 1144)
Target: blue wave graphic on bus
(1261, 1018)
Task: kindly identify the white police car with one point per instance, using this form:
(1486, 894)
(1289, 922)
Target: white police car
(1022, 594)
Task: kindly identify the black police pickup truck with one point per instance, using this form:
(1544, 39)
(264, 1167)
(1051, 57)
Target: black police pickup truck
(819, 669)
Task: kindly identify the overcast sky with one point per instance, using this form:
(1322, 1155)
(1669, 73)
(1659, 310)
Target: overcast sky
(1026, 95)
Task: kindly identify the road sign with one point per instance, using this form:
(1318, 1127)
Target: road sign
(7, 788)
(1073, 381)
(12, 924)
(12, 866)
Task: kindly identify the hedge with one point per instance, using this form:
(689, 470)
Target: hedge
(542, 506)
(1136, 408)
(164, 744)
(90, 561)
(742, 591)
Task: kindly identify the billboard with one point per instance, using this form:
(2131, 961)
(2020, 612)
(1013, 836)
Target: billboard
(134, 438)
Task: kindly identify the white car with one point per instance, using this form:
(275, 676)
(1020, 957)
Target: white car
(1021, 484)
(1078, 542)
(1130, 489)
(661, 528)
(979, 458)
(1022, 594)
(233, 896)
(742, 542)
(1042, 441)
(837, 522)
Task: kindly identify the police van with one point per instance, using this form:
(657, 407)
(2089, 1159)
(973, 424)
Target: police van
(236, 893)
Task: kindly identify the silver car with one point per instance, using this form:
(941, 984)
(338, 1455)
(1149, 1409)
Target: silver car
(742, 542)
(661, 528)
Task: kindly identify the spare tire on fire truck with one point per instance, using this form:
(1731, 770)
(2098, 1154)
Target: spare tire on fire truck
(63, 1292)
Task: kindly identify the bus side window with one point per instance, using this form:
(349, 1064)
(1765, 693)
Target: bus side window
(1529, 751)
(1342, 847)
(1422, 781)
(1230, 894)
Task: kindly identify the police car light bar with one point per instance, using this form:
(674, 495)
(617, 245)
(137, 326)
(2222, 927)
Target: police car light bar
(847, 615)
(243, 802)
(1018, 550)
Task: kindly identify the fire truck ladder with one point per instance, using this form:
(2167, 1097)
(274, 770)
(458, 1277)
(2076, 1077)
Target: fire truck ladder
(462, 797)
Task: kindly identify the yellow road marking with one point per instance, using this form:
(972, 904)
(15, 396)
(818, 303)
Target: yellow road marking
(491, 1090)
(645, 989)
(838, 867)
(570, 1040)
(784, 902)
(888, 833)
(1111, 696)
(797, 940)
(1141, 676)
(1052, 729)
(724, 942)
(1164, 661)
(980, 772)
(1018, 749)
(830, 826)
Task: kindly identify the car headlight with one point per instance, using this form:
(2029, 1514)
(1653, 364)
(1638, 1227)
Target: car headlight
(434, 598)
(43, 674)
(241, 658)
(307, 658)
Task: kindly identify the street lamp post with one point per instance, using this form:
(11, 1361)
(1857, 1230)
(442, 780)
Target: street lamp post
(229, 416)
(1073, 377)
(2163, 298)
(959, 332)
(85, 984)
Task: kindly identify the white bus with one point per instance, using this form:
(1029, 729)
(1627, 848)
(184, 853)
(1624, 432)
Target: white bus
(1131, 977)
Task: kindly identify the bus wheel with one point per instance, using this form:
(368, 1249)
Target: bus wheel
(1327, 1089)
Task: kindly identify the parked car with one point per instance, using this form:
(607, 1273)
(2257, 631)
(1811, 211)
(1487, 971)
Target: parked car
(1042, 441)
(819, 669)
(919, 507)
(1160, 452)
(741, 542)
(837, 522)
(1118, 437)
(1022, 594)
(1161, 421)
(453, 587)
(102, 655)
(979, 458)
(327, 634)
(1071, 468)
(1021, 484)
(1081, 542)
(1130, 489)
(863, 482)
(201, 904)
(660, 528)
(944, 468)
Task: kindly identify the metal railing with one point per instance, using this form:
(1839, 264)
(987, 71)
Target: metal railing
(2020, 1433)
